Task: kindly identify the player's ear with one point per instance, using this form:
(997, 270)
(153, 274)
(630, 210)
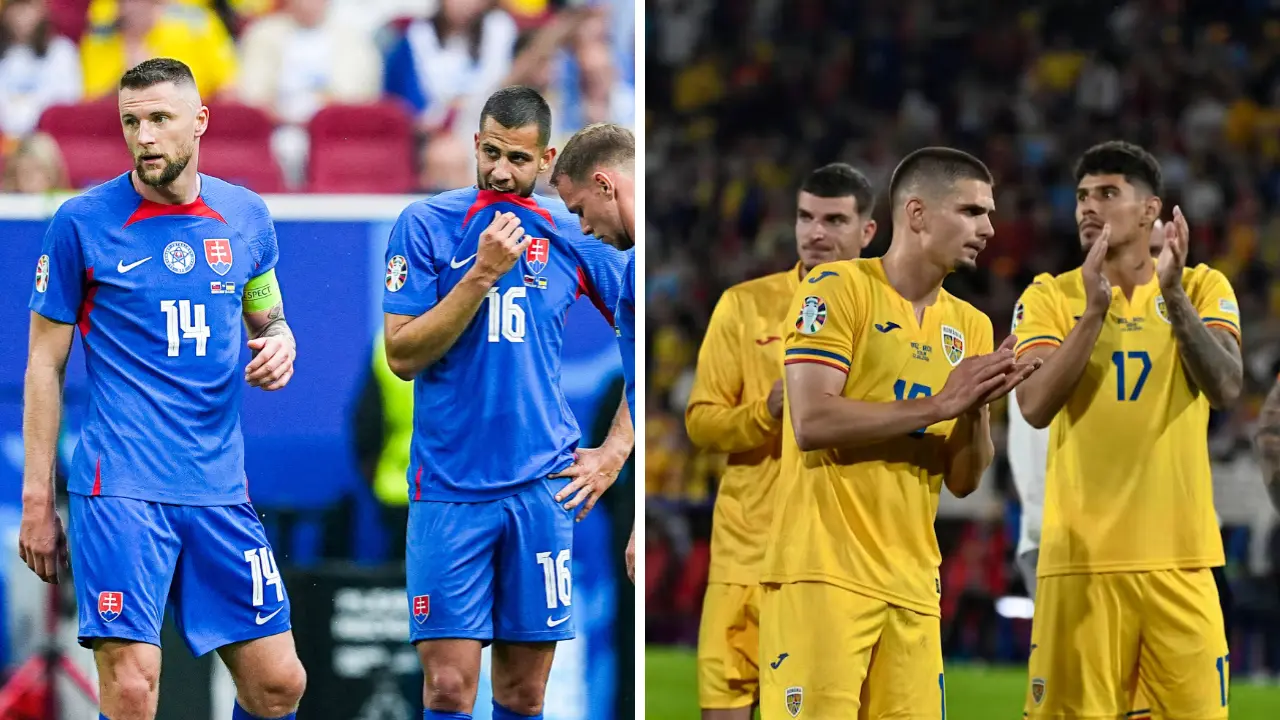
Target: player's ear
(868, 233)
(548, 159)
(1151, 210)
(913, 210)
(604, 182)
(202, 120)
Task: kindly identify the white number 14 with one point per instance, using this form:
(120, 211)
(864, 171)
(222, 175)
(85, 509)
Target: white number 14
(179, 316)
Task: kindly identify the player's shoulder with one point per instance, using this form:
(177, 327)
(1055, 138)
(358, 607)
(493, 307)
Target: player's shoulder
(1063, 285)
(763, 285)
(237, 205)
(112, 200)
(1202, 275)
(857, 272)
(964, 313)
(440, 211)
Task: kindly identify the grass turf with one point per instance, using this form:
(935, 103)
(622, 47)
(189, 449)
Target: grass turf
(973, 692)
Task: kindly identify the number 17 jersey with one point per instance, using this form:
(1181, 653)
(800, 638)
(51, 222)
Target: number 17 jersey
(156, 293)
(1128, 486)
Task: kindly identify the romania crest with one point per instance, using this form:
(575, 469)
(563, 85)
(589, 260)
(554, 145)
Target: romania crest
(1161, 310)
(795, 698)
(952, 345)
(1037, 689)
(812, 316)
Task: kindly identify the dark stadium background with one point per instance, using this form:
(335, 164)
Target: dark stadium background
(744, 98)
(337, 163)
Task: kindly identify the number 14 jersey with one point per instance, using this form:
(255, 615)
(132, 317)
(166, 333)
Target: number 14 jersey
(155, 291)
(1128, 486)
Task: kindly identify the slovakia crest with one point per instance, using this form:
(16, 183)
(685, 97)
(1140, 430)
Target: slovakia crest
(1037, 690)
(952, 345)
(795, 699)
(42, 274)
(537, 255)
(110, 605)
(218, 254)
(421, 608)
(179, 257)
(812, 316)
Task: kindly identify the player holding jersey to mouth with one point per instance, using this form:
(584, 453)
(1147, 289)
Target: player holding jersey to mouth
(159, 269)
(478, 285)
(595, 176)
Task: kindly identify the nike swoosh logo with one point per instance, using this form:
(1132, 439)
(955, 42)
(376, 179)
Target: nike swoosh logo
(122, 268)
(887, 327)
(824, 273)
(262, 620)
(766, 341)
(778, 662)
(455, 263)
(553, 623)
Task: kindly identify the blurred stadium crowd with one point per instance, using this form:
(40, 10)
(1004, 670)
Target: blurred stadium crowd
(736, 120)
(349, 96)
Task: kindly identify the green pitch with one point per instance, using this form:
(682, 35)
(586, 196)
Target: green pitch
(973, 693)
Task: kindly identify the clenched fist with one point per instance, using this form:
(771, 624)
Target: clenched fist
(500, 246)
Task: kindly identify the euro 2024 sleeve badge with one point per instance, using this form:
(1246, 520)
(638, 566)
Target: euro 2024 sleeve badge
(812, 316)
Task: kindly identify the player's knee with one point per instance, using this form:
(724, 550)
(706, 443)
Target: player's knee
(449, 689)
(276, 693)
(134, 689)
(521, 695)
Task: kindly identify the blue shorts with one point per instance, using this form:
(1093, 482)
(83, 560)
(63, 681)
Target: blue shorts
(211, 565)
(499, 570)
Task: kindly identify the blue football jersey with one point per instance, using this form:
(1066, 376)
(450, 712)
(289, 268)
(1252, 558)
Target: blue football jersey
(489, 416)
(156, 292)
(625, 316)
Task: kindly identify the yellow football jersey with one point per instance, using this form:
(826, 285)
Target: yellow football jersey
(862, 518)
(1128, 486)
(740, 360)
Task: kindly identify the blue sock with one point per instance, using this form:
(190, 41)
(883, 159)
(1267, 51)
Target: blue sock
(103, 717)
(501, 713)
(242, 714)
(442, 715)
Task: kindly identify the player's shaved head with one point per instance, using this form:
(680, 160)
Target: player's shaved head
(597, 146)
(1117, 157)
(158, 71)
(930, 172)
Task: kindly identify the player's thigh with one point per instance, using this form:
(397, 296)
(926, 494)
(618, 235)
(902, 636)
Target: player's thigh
(906, 677)
(1184, 664)
(1084, 646)
(729, 646)
(124, 554)
(533, 600)
(228, 587)
(449, 569)
(817, 641)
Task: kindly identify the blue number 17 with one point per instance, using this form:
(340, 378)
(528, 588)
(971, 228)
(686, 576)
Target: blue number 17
(1118, 358)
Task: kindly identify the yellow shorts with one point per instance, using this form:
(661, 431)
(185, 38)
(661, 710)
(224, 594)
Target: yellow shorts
(729, 647)
(833, 654)
(1102, 645)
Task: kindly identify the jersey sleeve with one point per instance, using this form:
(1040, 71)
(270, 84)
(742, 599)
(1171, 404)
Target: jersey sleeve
(826, 316)
(1215, 301)
(410, 285)
(600, 271)
(60, 272)
(717, 419)
(262, 238)
(1036, 320)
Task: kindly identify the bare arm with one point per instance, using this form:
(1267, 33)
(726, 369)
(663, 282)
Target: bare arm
(413, 343)
(1211, 355)
(1268, 441)
(824, 419)
(970, 451)
(622, 437)
(1043, 394)
(268, 323)
(50, 346)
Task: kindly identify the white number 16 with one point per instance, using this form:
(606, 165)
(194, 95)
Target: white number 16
(558, 577)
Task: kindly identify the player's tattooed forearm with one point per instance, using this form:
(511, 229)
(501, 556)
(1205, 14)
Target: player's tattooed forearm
(276, 325)
(1212, 358)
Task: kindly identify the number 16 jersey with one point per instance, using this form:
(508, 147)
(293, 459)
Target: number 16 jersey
(155, 291)
(1128, 486)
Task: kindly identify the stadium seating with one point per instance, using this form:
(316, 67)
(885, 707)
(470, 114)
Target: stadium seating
(361, 149)
(91, 140)
(237, 148)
